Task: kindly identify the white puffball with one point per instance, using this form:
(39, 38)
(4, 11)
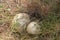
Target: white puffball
(20, 20)
(33, 28)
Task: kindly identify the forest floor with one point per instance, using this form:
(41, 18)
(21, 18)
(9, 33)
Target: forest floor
(7, 13)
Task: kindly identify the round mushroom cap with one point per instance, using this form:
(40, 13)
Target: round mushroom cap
(22, 18)
(34, 28)
(20, 21)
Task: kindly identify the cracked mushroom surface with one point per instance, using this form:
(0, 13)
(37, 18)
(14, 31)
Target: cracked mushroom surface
(20, 21)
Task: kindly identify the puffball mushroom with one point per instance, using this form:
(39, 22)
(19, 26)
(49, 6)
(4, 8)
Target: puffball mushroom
(20, 21)
(34, 28)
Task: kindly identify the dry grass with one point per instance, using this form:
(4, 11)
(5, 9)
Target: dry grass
(50, 25)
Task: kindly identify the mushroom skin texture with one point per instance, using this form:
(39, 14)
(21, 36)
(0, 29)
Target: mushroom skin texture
(33, 28)
(20, 21)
